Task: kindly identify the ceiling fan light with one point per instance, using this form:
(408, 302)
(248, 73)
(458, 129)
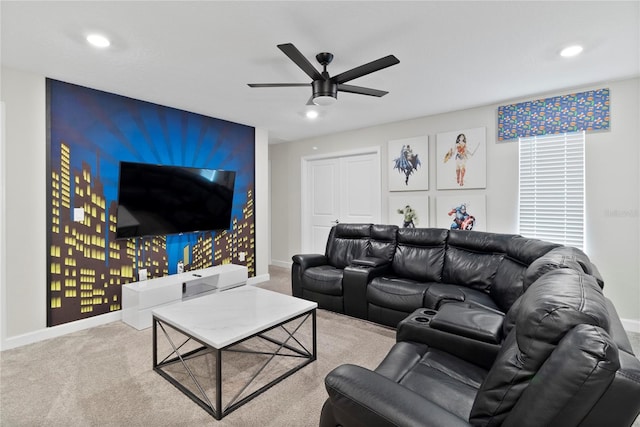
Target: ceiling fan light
(98, 40)
(570, 51)
(324, 100)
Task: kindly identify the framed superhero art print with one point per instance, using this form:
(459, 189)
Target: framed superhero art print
(465, 212)
(409, 210)
(461, 158)
(409, 164)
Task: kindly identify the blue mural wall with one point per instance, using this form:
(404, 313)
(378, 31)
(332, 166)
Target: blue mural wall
(88, 133)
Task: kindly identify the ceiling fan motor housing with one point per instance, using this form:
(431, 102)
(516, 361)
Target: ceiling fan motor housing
(324, 88)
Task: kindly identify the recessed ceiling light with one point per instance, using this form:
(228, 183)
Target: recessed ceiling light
(98, 41)
(570, 51)
(312, 114)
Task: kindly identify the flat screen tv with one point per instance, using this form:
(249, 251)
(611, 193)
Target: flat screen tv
(157, 200)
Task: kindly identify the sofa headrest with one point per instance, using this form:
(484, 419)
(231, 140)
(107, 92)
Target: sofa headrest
(383, 242)
(422, 236)
(352, 231)
(383, 232)
(479, 241)
(526, 250)
(561, 257)
(555, 303)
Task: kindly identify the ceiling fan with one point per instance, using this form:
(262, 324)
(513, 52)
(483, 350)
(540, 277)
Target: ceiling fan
(326, 88)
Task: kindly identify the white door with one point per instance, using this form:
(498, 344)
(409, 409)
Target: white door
(341, 188)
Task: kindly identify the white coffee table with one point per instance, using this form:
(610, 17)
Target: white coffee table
(219, 321)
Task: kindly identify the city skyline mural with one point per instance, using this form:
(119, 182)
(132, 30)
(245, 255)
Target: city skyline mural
(89, 132)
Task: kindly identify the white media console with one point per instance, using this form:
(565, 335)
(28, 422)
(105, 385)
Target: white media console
(139, 298)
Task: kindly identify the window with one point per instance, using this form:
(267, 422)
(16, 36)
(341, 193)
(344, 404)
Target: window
(551, 205)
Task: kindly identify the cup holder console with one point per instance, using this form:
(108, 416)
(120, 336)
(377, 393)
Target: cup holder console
(423, 315)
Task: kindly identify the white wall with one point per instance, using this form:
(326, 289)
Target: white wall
(23, 278)
(24, 308)
(612, 180)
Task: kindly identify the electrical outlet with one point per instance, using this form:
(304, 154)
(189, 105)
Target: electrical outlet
(78, 214)
(241, 256)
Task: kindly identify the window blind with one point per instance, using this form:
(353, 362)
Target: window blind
(551, 195)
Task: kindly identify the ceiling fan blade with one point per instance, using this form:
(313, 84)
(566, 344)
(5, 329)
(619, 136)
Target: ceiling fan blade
(296, 56)
(278, 84)
(361, 90)
(365, 69)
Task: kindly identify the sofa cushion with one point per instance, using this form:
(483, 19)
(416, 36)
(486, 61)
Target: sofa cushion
(441, 378)
(420, 254)
(546, 313)
(382, 243)
(324, 279)
(472, 258)
(347, 242)
(398, 294)
(508, 283)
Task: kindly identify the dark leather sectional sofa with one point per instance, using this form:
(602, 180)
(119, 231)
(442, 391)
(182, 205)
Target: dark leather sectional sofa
(492, 329)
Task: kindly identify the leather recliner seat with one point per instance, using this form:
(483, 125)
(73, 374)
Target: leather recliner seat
(320, 277)
(564, 361)
(382, 273)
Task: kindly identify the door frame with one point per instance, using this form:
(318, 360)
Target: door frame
(304, 196)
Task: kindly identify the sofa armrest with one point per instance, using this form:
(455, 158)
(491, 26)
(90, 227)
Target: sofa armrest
(469, 321)
(437, 294)
(370, 262)
(417, 328)
(309, 260)
(360, 397)
(300, 263)
(355, 280)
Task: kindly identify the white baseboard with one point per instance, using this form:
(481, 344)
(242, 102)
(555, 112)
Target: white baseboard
(284, 264)
(58, 331)
(631, 325)
(258, 279)
(79, 325)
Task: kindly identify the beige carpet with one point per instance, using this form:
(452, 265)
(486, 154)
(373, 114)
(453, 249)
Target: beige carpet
(103, 377)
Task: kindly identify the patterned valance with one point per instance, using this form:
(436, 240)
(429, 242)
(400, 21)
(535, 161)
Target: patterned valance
(588, 111)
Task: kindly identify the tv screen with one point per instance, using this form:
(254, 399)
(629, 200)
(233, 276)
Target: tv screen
(158, 200)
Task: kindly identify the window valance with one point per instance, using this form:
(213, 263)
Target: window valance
(584, 111)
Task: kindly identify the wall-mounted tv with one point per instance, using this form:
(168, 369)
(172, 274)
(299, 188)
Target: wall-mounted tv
(157, 200)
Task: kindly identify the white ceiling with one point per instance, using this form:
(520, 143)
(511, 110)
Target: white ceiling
(200, 55)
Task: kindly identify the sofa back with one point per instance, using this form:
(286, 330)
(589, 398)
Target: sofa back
(472, 258)
(514, 272)
(382, 243)
(347, 242)
(556, 361)
(420, 254)
(501, 265)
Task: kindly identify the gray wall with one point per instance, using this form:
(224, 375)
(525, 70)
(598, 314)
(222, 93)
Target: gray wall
(612, 182)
